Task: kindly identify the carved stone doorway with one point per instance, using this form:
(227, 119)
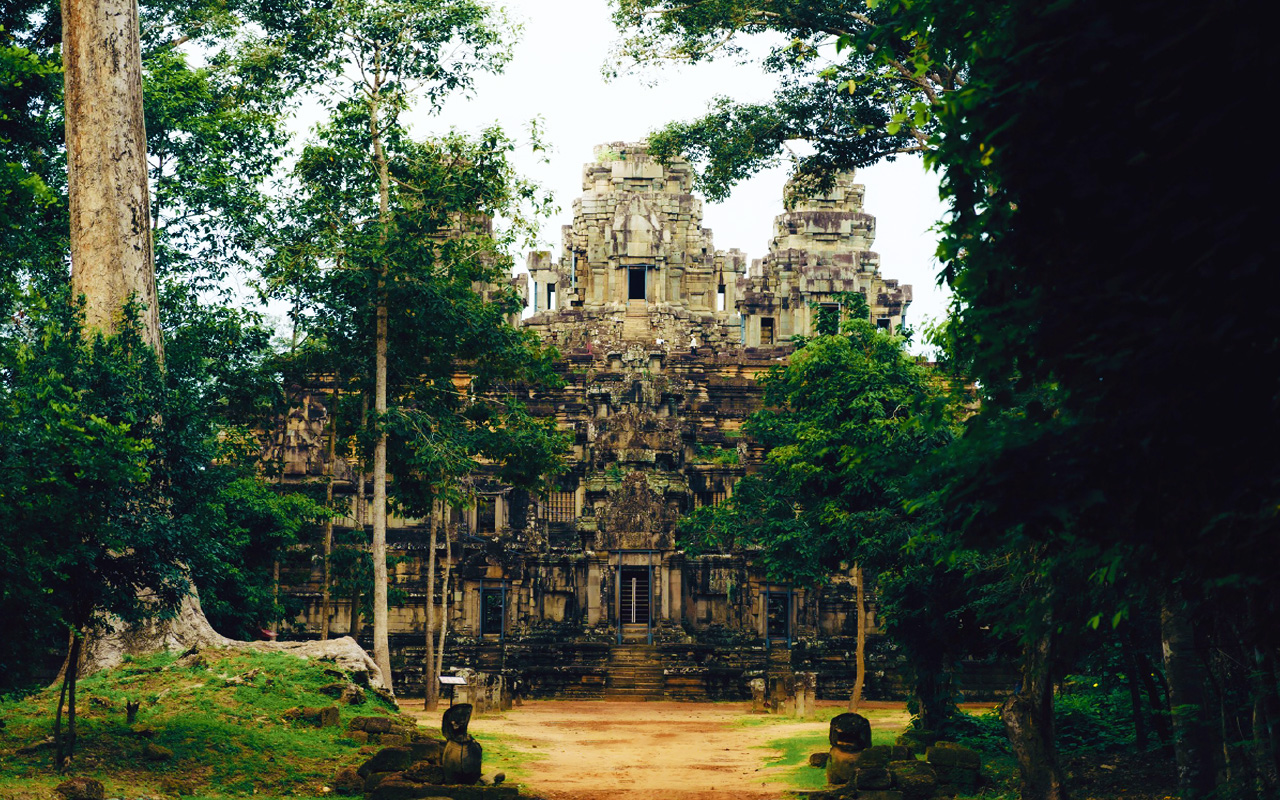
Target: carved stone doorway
(636, 280)
(634, 592)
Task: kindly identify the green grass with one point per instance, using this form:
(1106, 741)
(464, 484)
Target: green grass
(502, 753)
(222, 720)
(794, 751)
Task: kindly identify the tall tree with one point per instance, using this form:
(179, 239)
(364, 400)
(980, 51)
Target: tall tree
(112, 261)
(403, 267)
(847, 422)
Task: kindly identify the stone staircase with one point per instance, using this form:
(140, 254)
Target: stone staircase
(635, 324)
(635, 673)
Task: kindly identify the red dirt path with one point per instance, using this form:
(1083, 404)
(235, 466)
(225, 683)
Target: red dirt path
(641, 750)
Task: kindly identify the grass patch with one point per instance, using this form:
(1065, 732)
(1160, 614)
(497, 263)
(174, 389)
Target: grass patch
(503, 753)
(792, 756)
(220, 718)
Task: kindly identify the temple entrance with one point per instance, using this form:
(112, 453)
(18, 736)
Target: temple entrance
(636, 283)
(493, 601)
(633, 595)
(778, 617)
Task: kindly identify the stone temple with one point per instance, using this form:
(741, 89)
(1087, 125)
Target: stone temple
(586, 592)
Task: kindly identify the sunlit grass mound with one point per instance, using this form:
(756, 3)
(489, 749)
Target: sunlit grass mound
(211, 725)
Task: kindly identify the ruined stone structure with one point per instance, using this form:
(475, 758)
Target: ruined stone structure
(586, 592)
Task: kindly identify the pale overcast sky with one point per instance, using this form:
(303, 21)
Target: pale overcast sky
(556, 75)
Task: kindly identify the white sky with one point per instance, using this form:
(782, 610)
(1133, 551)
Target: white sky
(556, 75)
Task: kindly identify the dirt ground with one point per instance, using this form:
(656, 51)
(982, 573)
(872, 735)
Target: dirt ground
(644, 750)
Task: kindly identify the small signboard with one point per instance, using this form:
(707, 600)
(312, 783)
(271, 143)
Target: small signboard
(451, 682)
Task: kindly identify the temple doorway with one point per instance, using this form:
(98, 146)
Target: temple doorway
(634, 594)
(636, 280)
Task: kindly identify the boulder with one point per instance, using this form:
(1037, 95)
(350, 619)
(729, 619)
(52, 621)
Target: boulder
(388, 759)
(81, 789)
(819, 760)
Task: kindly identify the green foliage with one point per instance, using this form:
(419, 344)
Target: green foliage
(858, 82)
(221, 717)
(845, 422)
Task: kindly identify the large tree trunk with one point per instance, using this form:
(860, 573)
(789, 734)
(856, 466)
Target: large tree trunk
(1185, 670)
(381, 643)
(1028, 720)
(111, 252)
(860, 651)
(431, 691)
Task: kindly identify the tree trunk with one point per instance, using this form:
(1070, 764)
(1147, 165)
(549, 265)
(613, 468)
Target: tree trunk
(860, 651)
(111, 251)
(60, 755)
(1135, 694)
(1028, 719)
(431, 692)
(1185, 671)
(1155, 700)
(381, 643)
(444, 607)
(327, 544)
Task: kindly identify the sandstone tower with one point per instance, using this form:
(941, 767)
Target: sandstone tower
(663, 339)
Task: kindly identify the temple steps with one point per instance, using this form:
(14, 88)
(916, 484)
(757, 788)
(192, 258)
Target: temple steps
(635, 672)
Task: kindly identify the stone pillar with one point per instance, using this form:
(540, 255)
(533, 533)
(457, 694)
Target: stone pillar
(595, 569)
(675, 589)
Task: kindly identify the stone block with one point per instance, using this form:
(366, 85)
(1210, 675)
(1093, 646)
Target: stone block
(961, 778)
(388, 759)
(359, 736)
(427, 750)
(881, 794)
(81, 789)
(347, 782)
(872, 778)
(393, 739)
(398, 789)
(951, 754)
(841, 765)
(819, 760)
(915, 779)
(424, 773)
(370, 724)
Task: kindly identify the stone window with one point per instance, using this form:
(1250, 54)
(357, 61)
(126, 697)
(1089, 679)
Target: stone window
(551, 297)
(486, 515)
(884, 323)
(560, 506)
(766, 331)
(720, 297)
(711, 498)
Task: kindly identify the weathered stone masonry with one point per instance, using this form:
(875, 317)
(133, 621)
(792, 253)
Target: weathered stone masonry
(585, 592)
